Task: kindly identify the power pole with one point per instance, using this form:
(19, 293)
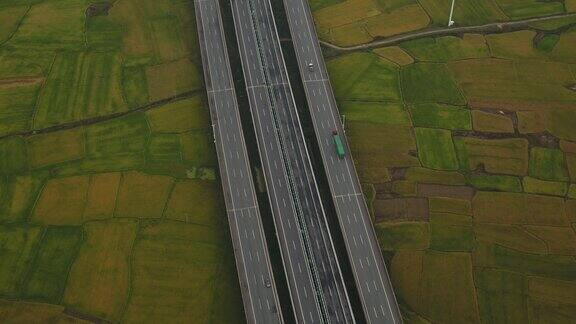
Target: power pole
(450, 21)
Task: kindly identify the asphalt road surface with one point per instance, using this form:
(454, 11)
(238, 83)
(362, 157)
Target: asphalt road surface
(374, 287)
(313, 273)
(258, 288)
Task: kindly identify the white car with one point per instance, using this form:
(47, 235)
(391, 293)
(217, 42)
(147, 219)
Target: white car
(311, 67)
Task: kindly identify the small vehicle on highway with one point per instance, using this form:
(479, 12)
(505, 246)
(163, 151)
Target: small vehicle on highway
(267, 283)
(311, 66)
(338, 144)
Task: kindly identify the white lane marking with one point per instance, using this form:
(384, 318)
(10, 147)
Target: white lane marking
(266, 85)
(220, 90)
(346, 195)
(233, 210)
(316, 80)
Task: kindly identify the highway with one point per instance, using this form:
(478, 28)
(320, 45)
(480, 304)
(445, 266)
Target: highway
(313, 274)
(372, 281)
(257, 283)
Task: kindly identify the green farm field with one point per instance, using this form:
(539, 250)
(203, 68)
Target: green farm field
(353, 22)
(110, 210)
(467, 148)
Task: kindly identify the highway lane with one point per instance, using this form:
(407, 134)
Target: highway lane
(292, 188)
(257, 283)
(372, 281)
(304, 302)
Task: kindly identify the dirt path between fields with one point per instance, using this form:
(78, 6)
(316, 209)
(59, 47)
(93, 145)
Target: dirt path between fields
(99, 119)
(447, 31)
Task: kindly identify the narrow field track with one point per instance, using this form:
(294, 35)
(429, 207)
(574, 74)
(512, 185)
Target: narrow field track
(447, 31)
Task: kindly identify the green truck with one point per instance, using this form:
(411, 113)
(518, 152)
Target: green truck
(338, 143)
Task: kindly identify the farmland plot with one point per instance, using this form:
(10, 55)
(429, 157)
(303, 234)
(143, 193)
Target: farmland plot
(473, 195)
(353, 22)
(106, 159)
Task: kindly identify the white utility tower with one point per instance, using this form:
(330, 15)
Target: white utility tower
(450, 21)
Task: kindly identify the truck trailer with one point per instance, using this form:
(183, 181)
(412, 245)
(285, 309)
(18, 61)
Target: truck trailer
(338, 144)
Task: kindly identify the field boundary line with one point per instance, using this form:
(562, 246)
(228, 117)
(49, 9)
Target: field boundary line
(491, 28)
(104, 118)
(17, 27)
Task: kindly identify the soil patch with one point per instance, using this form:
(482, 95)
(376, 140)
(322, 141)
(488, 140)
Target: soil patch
(515, 105)
(397, 173)
(537, 38)
(83, 316)
(483, 135)
(98, 9)
(542, 139)
(20, 81)
(433, 190)
(384, 190)
(405, 209)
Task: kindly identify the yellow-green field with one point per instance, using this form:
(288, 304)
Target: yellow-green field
(352, 22)
(468, 148)
(110, 210)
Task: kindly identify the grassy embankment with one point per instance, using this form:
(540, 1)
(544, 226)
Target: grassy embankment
(122, 219)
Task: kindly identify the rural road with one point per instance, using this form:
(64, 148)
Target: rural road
(447, 31)
(372, 281)
(313, 274)
(257, 283)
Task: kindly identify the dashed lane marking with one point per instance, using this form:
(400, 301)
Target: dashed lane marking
(347, 195)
